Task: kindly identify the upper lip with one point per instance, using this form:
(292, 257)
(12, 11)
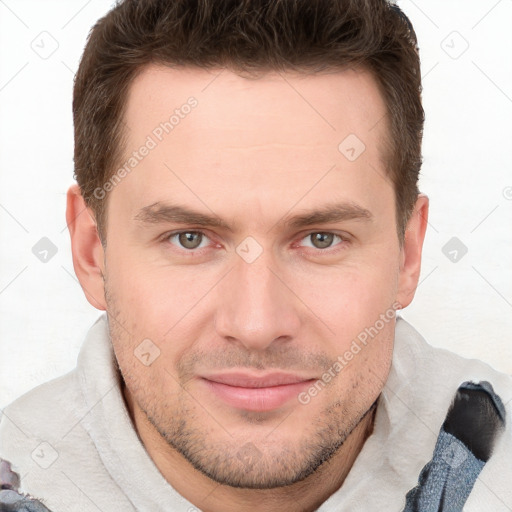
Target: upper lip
(253, 380)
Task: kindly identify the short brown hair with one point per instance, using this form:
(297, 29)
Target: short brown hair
(246, 36)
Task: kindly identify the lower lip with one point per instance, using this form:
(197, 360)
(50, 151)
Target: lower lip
(257, 399)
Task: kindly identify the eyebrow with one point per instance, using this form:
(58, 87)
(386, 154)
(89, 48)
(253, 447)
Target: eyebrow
(161, 212)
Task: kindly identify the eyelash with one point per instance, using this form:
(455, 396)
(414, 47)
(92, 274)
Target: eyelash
(344, 240)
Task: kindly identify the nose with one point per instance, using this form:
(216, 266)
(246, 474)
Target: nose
(256, 304)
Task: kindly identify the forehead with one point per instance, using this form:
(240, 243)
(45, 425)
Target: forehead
(153, 77)
(328, 104)
(213, 130)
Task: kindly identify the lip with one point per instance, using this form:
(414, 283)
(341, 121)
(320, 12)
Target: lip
(253, 392)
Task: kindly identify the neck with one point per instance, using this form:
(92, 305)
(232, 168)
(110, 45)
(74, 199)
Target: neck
(306, 495)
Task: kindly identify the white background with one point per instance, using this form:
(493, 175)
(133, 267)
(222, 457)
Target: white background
(464, 306)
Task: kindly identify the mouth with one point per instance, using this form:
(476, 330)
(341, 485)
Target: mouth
(258, 393)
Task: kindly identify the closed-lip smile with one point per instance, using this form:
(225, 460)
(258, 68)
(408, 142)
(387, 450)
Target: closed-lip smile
(255, 391)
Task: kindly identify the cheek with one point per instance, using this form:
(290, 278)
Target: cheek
(352, 296)
(162, 313)
(365, 362)
(154, 298)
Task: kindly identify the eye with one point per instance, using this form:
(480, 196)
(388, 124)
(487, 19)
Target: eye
(188, 239)
(322, 239)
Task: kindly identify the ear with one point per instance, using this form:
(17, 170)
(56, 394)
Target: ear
(88, 255)
(410, 254)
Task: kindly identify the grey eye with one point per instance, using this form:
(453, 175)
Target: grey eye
(322, 240)
(190, 239)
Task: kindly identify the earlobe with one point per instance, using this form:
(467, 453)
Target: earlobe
(410, 255)
(88, 255)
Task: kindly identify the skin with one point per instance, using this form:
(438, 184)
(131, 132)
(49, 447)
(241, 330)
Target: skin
(254, 153)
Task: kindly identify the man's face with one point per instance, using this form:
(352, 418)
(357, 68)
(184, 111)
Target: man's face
(246, 316)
